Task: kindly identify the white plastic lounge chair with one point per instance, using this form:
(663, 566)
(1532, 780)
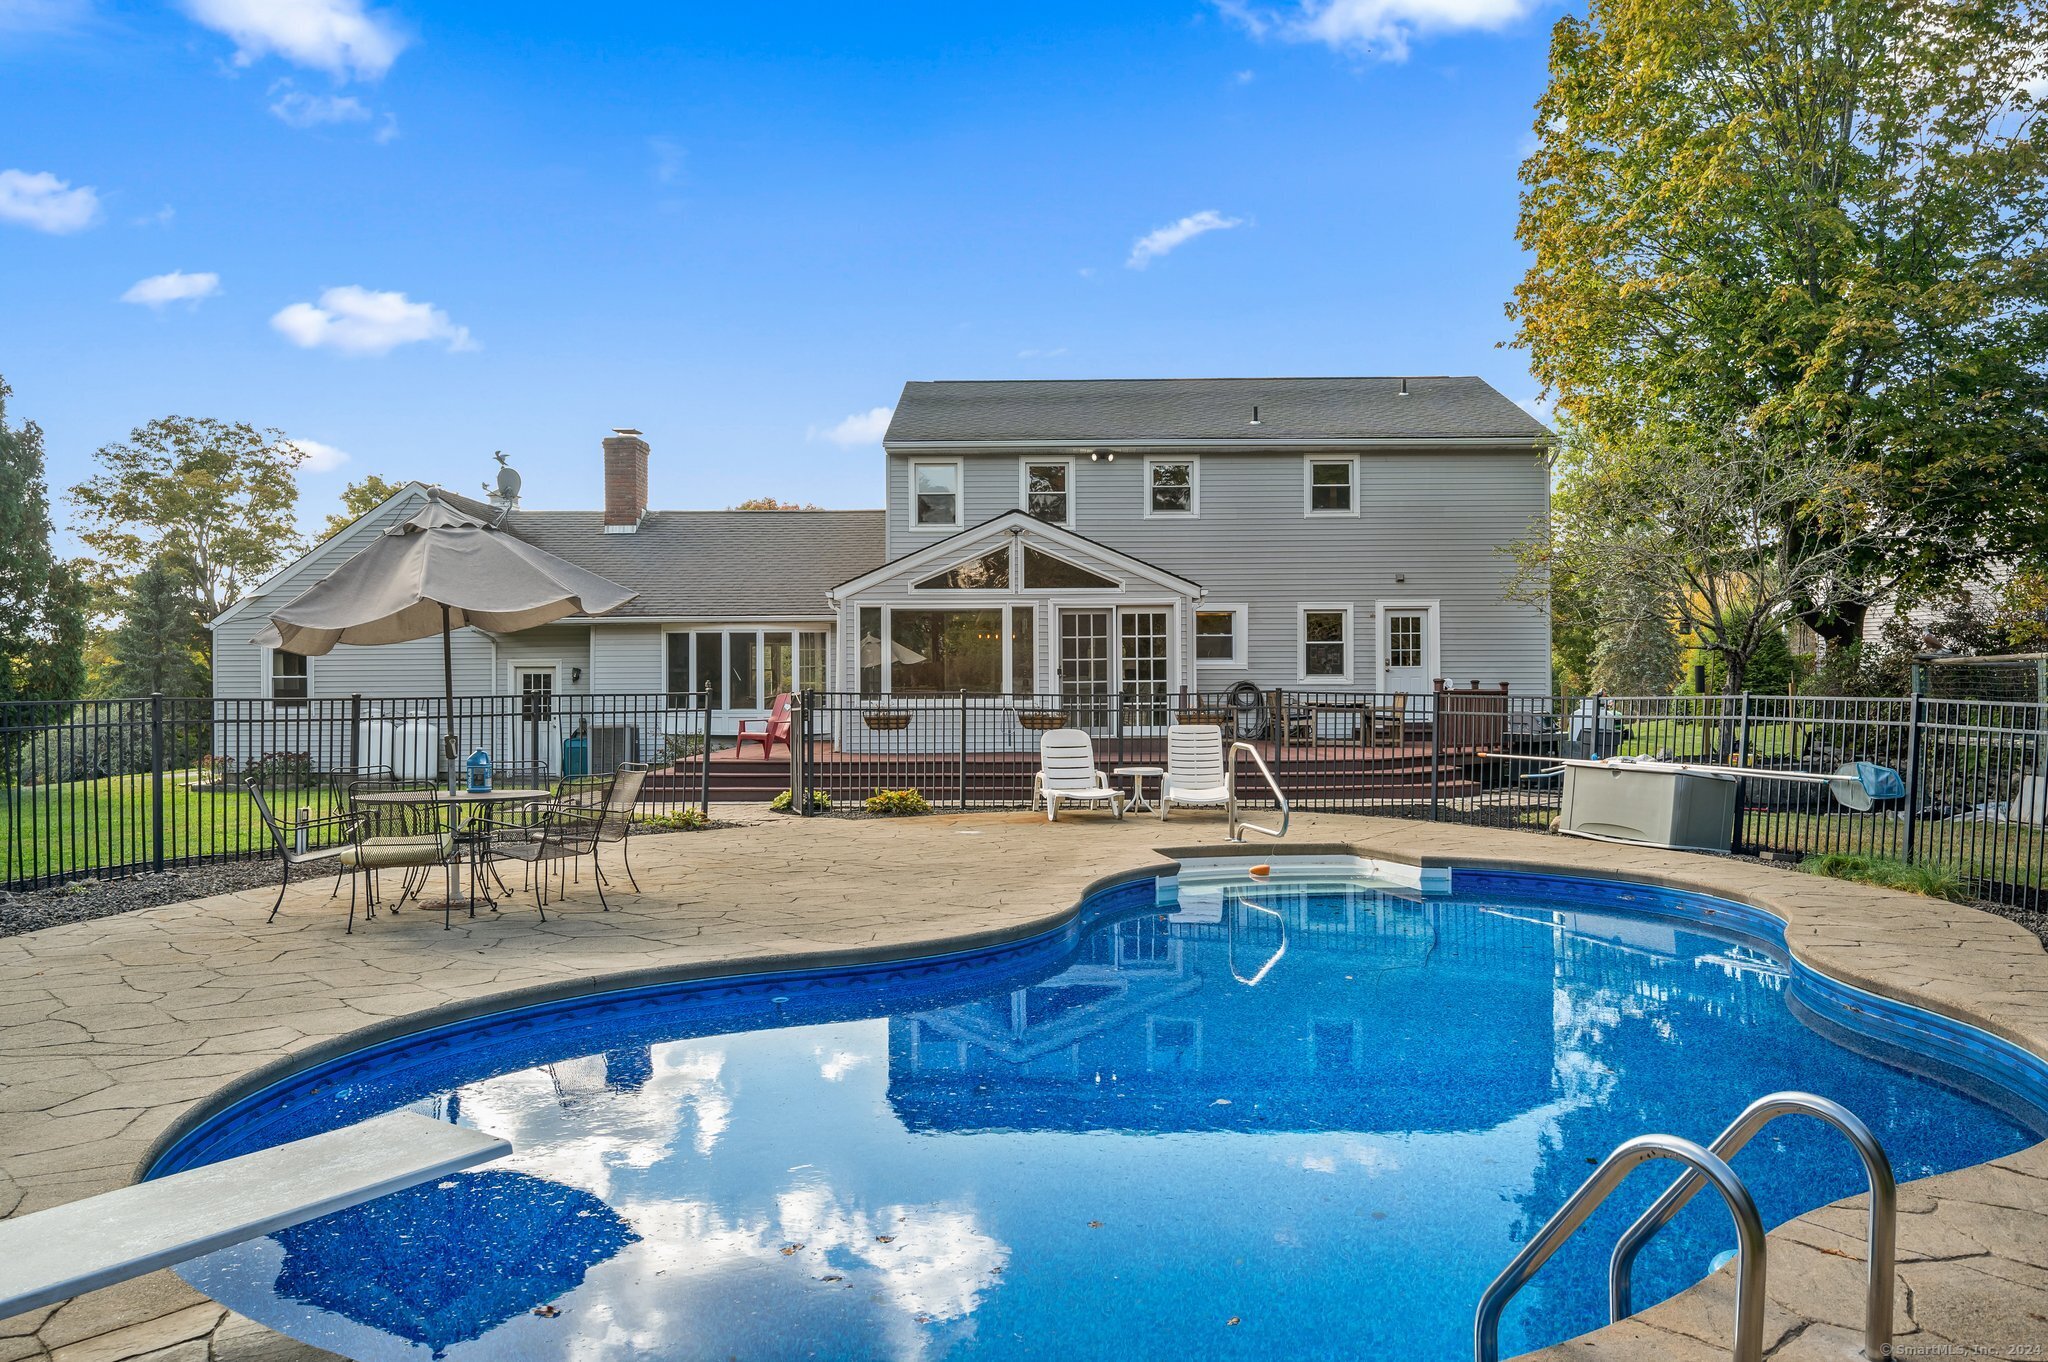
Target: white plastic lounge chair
(1195, 777)
(1067, 772)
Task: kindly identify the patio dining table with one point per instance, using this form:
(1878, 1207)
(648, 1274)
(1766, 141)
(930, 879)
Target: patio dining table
(486, 800)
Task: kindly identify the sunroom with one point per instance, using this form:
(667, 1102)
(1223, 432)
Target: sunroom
(1064, 629)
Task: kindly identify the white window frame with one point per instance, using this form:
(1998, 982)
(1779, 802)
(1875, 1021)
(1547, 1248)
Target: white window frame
(270, 677)
(1301, 615)
(1308, 485)
(1000, 602)
(1024, 467)
(1237, 612)
(1194, 511)
(959, 493)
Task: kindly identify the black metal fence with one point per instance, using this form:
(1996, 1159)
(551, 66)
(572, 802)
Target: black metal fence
(109, 787)
(1971, 773)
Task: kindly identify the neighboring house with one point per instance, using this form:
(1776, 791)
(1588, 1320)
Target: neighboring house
(1143, 536)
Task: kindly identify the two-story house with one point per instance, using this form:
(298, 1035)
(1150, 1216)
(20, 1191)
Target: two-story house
(1142, 536)
(1160, 535)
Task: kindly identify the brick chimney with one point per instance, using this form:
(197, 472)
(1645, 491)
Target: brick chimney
(625, 481)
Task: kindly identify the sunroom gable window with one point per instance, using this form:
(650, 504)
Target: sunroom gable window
(1043, 572)
(990, 572)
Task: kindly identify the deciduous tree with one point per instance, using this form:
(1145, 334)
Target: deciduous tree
(358, 499)
(213, 501)
(1822, 221)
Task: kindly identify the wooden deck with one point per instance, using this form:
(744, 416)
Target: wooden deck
(1379, 771)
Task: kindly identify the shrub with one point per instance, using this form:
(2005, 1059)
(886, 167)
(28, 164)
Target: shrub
(282, 770)
(1933, 881)
(785, 802)
(897, 803)
(677, 747)
(685, 819)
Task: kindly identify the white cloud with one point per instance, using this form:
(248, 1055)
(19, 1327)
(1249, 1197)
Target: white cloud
(861, 428)
(46, 203)
(360, 321)
(339, 37)
(1160, 241)
(175, 287)
(1384, 28)
(320, 457)
(1244, 77)
(1053, 353)
(301, 110)
(160, 218)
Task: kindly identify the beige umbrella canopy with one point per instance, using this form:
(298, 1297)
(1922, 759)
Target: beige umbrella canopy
(439, 571)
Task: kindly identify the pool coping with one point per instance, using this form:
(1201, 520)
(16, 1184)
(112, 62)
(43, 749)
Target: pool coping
(1952, 960)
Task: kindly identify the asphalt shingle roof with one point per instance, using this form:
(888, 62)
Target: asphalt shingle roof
(1110, 411)
(712, 564)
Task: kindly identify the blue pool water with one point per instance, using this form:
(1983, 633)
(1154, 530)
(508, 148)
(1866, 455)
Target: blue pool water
(1262, 1121)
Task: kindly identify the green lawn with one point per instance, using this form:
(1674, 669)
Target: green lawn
(55, 829)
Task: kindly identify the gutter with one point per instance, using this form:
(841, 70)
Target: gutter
(1277, 445)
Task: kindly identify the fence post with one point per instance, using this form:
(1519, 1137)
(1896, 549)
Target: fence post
(704, 776)
(962, 771)
(1742, 733)
(156, 781)
(1436, 752)
(1915, 715)
(799, 726)
(355, 733)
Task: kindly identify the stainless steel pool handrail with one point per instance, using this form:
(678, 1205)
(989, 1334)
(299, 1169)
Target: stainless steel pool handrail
(1626, 1158)
(1884, 1209)
(1230, 782)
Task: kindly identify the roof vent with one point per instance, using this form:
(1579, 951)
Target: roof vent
(1404, 387)
(1255, 415)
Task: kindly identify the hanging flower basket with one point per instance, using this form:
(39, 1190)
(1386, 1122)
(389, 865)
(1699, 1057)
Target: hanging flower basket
(1041, 720)
(886, 720)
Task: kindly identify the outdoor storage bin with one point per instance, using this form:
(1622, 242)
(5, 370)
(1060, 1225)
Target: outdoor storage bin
(1657, 805)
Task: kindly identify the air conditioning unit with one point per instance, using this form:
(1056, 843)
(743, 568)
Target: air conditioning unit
(611, 744)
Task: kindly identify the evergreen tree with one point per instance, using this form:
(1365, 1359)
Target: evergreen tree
(160, 645)
(42, 601)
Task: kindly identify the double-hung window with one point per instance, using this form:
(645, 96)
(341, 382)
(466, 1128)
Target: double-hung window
(1219, 635)
(1326, 643)
(291, 677)
(935, 494)
(1172, 487)
(1332, 486)
(1049, 490)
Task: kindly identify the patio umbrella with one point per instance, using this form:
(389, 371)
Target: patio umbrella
(447, 1262)
(440, 570)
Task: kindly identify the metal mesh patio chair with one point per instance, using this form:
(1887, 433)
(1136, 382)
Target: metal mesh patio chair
(309, 841)
(413, 837)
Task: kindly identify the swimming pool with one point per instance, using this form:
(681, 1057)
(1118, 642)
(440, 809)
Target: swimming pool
(1302, 1118)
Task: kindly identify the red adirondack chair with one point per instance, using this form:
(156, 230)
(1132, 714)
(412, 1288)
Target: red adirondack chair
(773, 729)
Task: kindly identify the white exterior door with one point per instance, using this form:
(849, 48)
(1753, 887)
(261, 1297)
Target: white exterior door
(1407, 649)
(534, 736)
(1085, 655)
(1144, 660)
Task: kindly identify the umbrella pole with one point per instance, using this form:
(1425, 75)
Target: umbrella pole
(451, 742)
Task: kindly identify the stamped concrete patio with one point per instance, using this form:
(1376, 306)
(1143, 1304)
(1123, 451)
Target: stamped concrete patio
(113, 1031)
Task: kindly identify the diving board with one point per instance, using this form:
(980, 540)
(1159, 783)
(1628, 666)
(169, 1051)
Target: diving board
(50, 1256)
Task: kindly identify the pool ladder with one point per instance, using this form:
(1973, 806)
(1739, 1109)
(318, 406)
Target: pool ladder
(1237, 825)
(1702, 1167)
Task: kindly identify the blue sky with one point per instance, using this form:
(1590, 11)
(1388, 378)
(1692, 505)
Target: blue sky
(438, 230)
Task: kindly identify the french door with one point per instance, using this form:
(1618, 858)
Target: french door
(1106, 652)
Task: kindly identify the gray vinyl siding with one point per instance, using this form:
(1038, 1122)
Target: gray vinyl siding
(1439, 517)
(628, 657)
(566, 647)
